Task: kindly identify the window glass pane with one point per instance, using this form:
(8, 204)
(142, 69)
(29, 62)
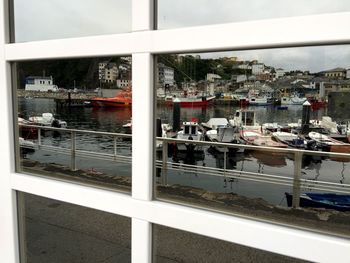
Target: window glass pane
(264, 107)
(173, 14)
(54, 231)
(41, 20)
(81, 112)
(173, 245)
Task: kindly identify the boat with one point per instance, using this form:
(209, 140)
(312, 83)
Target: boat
(190, 101)
(290, 139)
(47, 119)
(190, 131)
(122, 99)
(327, 143)
(340, 202)
(258, 139)
(226, 134)
(260, 101)
(26, 146)
(293, 100)
(214, 123)
(245, 119)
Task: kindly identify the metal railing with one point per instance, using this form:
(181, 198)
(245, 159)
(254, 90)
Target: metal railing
(74, 152)
(296, 182)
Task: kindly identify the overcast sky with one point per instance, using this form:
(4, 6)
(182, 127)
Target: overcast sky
(49, 19)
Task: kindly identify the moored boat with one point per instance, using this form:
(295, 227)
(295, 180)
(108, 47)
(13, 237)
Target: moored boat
(122, 99)
(340, 202)
(226, 134)
(190, 131)
(293, 100)
(47, 119)
(258, 139)
(191, 101)
(329, 144)
(290, 139)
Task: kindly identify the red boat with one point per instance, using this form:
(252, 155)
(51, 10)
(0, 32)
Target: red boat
(195, 101)
(123, 99)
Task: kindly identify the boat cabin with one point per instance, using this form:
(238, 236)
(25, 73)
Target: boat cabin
(244, 118)
(190, 128)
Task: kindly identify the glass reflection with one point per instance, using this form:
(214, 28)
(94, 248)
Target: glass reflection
(197, 12)
(64, 19)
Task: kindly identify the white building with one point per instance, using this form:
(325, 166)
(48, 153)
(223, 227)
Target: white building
(165, 75)
(108, 72)
(34, 83)
(211, 77)
(123, 83)
(241, 78)
(279, 72)
(258, 68)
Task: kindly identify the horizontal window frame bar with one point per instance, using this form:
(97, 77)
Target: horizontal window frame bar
(271, 33)
(225, 227)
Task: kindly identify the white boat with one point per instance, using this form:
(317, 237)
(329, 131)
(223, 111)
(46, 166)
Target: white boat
(26, 146)
(290, 139)
(190, 131)
(47, 119)
(215, 123)
(329, 144)
(258, 139)
(293, 100)
(260, 101)
(226, 134)
(245, 119)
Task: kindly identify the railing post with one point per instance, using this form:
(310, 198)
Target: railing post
(115, 147)
(225, 150)
(165, 163)
(39, 137)
(73, 149)
(298, 156)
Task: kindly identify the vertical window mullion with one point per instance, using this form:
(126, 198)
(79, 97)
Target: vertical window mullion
(9, 251)
(142, 130)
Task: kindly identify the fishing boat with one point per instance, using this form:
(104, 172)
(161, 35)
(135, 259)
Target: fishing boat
(26, 146)
(293, 100)
(47, 119)
(260, 101)
(122, 99)
(226, 134)
(214, 123)
(340, 202)
(329, 144)
(245, 120)
(191, 101)
(290, 139)
(190, 131)
(258, 139)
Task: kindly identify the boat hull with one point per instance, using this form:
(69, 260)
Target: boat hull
(319, 200)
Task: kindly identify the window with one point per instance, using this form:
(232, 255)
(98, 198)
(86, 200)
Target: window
(145, 45)
(53, 231)
(64, 19)
(80, 131)
(283, 113)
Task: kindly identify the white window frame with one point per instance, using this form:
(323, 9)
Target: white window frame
(143, 43)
